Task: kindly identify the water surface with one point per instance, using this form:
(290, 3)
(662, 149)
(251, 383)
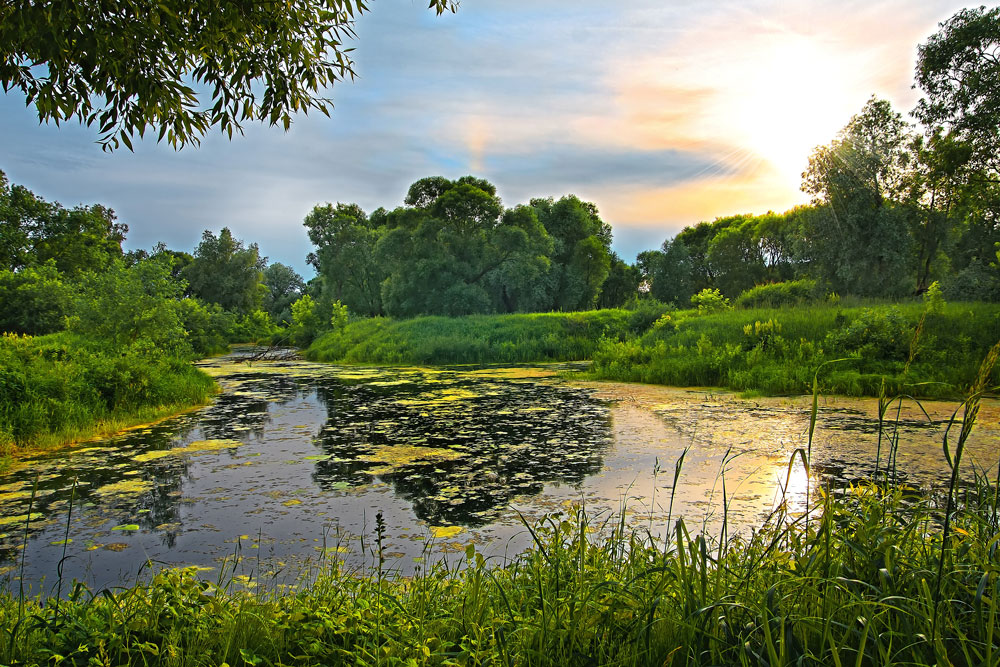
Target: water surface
(293, 460)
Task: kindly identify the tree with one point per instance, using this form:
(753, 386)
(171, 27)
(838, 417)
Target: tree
(621, 285)
(134, 66)
(225, 272)
(581, 253)
(455, 250)
(127, 305)
(736, 257)
(696, 240)
(284, 286)
(34, 231)
(668, 271)
(858, 239)
(345, 242)
(958, 69)
(34, 300)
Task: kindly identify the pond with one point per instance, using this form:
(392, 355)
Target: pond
(293, 461)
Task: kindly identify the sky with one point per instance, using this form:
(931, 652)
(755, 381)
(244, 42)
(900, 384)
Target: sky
(663, 113)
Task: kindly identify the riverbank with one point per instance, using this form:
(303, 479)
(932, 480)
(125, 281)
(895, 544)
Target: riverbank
(915, 350)
(61, 389)
(478, 339)
(911, 349)
(870, 578)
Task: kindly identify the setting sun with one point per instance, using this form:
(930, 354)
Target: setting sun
(792, 99)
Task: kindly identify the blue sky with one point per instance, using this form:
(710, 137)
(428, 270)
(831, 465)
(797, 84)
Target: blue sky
(662, 113)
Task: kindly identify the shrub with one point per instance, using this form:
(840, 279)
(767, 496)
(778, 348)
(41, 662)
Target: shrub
(645, 312)
(35, 300)
(875, 333)
(710, 300)
(934, 299)
(778, 295)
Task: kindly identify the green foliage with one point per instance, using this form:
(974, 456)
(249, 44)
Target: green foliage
(710, 300)
(581, 255)
(133, 67)
(858, 238)
(35, 300)
(957, 68)
(976, 282)
(778, 295)
(128, 305)
(62, 386)
(338, 316)
(621, 285)
(209, 328)
(934, 299)
(460, 252)
(881, 333)
(738, 349)
(345, 240)
(226, 272)
(34, 232)
(255, 326)
(668, 272)
(517, 338)
(736, 257)
(283, 286)
(645, 312)
(306, 321)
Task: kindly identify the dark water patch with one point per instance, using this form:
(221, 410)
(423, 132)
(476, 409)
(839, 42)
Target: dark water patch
(291, 451)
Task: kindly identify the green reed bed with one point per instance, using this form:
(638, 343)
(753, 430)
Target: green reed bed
(911, 348)
(521, 338)
(64, 387)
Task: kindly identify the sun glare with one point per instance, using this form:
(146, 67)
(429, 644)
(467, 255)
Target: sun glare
(793, 96)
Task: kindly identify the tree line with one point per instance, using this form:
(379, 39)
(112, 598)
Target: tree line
(895, 208)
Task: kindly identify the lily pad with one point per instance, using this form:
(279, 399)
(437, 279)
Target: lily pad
(445, 532)
(127, 526)
(124, 488)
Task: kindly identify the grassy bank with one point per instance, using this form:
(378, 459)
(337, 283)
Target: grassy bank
(776, 351)
(522, 338)
(64, 387)
(870, 580)
(766, 350)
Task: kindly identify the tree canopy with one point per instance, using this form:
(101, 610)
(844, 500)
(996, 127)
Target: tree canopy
(226, 272)
(177, 67)
(958, 69)
(453, 248)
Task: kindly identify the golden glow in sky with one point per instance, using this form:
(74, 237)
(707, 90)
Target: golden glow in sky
(758, 92)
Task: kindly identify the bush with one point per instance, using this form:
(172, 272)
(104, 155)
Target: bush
(778, 295)
(976, 282)
(880, 334)
(710, 300)
(63, 386)
(645, 313)
(934, 299)
(35, 300)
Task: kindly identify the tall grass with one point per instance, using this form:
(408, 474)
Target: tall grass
(65, 387)
(774, 351)
(521, 338)
(868, 575)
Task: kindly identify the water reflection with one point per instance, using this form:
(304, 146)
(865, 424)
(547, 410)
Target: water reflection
(461, 451)
(294, 457)
(290, 451)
